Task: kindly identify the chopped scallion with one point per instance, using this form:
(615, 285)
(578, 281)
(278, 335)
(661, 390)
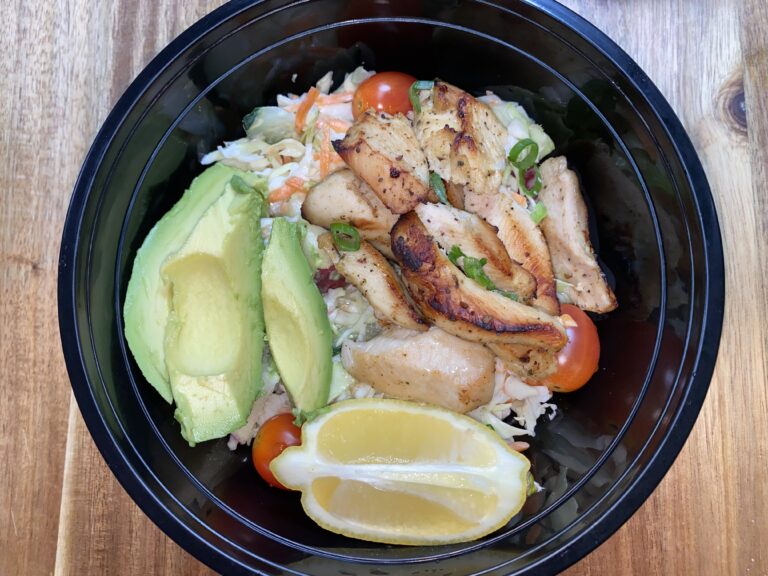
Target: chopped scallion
(473, 269)
(538, 213)
(345, 237)
(413, 93)
(454, 254)
(437, 184)
(524, 154)
(524, 176)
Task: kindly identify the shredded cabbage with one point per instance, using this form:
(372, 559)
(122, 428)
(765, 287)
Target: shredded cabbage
(317, 258)
(518, 124)
(325, 83)
(351, 315)
(272, 401)
(245, 154)
(354, 79)
(341, 380)
(270, 123)
(359, 390)
(512, 395)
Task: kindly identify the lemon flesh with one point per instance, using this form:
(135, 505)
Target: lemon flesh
(403, 473)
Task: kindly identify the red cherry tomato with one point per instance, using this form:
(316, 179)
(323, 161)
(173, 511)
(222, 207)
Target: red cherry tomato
(577, 361)
(384, 92)
(274, 436)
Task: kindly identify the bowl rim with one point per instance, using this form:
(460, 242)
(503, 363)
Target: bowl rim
(637, 491)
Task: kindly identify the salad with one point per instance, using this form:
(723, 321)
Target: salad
(378, 288)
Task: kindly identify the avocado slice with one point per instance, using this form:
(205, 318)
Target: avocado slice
(298, 329)
(193, 316)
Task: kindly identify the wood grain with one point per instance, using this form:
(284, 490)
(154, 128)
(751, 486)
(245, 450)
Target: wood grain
(708, 516)
(66, 514)
(44, 136)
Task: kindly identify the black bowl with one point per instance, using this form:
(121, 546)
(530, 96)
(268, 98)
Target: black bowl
(653, 217)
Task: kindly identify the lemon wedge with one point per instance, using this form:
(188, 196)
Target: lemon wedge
(403, 473)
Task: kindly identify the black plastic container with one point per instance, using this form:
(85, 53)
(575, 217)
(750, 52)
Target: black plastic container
(654, 221)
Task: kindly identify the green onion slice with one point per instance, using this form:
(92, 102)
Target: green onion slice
(345, 236)
(437, 184)
(472, 267)
(524, 154)
(538, 213)
(413, 93)
(534, 189)
(454, 254)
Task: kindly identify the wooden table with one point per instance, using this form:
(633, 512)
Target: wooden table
(63, 65)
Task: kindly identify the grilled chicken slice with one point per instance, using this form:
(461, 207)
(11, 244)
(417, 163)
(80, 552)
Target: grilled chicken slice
(462, 139)
(523, 240)
(343, 197)
(432, 367)
(455, 195)
(453, 227)
(567, 234)
(459, 305)
(528, 362)
(369, 272)
(383, 151)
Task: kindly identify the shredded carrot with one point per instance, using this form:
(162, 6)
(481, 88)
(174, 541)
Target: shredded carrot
(303, 110)
(282, 193)
(518, 445)
(325, 153)
(289, 188)
(520, 199)
(336, 124)
(336, 163)
(295, 182)
(339, 98)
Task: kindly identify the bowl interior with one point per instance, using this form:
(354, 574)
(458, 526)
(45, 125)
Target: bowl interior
(643, 215)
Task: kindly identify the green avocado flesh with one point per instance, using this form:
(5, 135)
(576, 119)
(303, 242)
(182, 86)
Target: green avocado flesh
(298, 329)
(193, 315)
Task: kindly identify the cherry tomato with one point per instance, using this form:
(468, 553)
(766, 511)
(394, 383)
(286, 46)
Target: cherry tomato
(577, 361)
(384, 92)
(274, 436)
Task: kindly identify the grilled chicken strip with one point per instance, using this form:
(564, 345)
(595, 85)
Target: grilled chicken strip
(528, 362)
(567, 234)
(455, 195)
(523, 240)
(343, 197)
(432, 367)
(383, 151)
(370, 273)
(453, 227)
(463, 141)
(459, 305)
